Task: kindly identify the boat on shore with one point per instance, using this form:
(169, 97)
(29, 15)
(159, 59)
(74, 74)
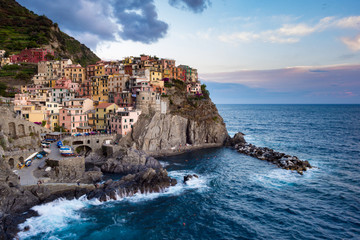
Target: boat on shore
(67, 151)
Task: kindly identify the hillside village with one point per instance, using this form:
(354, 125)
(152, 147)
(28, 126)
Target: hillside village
(106, 97)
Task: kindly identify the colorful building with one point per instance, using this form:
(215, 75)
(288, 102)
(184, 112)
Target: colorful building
(122, 122)
(32, 55)
(101, 112)
(73, 118)
(76, 73)
(99, 85)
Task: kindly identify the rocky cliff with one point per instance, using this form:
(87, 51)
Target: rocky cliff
(191, 122)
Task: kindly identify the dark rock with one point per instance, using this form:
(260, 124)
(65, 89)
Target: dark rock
(238, 140)
(130, 161)
(147, 181)
(282, 160)
(187, 178)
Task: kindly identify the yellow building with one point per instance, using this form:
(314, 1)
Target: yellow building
(99, 87)
(99, 70)
(166, 73)
(100, 114)
(24, 110)
(53, 121)
(38, 114)
(91, 118)
(156, 78)
(128, 60)
(76, 73)
(52, 83)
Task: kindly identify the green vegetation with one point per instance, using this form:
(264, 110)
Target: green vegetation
(2, 143)
(205, 92)
(59, 129)
(21, 28)
(4, 91)
(43, 123)
(17, 74)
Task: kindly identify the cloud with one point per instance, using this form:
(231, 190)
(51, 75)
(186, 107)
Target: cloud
(349, 22)
(195, 6)
(292, 33)
(139, 21)
(352, 43)
(95, 20)
(307, 78)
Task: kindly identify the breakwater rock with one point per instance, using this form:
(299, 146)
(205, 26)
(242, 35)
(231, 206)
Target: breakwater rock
(146, 181)
(282, 160)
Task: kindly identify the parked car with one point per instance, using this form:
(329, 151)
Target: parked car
(45, 144)
(92, 133)
(50, 140)
(87, 134)
(77, 134)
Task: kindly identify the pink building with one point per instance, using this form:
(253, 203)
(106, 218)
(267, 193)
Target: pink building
(122, 122)
(21, 99)
(111, 69)
(84, 90)
(67, 84)
(141, 86)
(73, 119)
(32, 55)
(167, 63)
(194, 88)
(122, 99)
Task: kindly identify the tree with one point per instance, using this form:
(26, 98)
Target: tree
(59, 129)
(43, 123)
(204, 91)
(49, 57)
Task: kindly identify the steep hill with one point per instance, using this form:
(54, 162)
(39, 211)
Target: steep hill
(21, 28)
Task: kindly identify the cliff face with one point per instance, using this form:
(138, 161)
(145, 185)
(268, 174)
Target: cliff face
(189, 124)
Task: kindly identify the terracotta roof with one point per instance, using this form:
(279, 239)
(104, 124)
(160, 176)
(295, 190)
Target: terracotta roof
(104, 105)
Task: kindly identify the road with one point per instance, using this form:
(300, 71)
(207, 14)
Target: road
(55, 153)
(26, 173)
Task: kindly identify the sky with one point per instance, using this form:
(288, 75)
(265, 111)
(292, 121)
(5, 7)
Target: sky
(246, 51)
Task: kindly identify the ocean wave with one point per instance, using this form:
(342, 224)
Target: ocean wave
(279, 178)
(59, 214)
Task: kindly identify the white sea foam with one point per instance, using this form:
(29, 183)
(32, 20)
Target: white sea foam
(53, 216)
(60, 213)
(280, 177)
(164, 164)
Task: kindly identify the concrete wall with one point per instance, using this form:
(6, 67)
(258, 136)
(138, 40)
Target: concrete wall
(15, 127)
(19, 137)
(71, 168)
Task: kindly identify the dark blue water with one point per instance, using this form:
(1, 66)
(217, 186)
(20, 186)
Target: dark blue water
(236, 196)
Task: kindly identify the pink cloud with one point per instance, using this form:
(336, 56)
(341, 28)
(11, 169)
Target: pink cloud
(306, 78)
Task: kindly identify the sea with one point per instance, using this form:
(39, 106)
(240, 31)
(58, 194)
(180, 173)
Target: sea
(237, 196)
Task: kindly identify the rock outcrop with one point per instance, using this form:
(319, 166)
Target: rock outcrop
(190, 124)
(146, 181)
(282, 160)
(129, 161)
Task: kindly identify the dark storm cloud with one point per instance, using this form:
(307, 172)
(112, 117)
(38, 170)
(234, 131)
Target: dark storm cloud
(195, 6)
(139, 20)
(135, 20)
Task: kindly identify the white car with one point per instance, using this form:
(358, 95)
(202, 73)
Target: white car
(45, 144)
